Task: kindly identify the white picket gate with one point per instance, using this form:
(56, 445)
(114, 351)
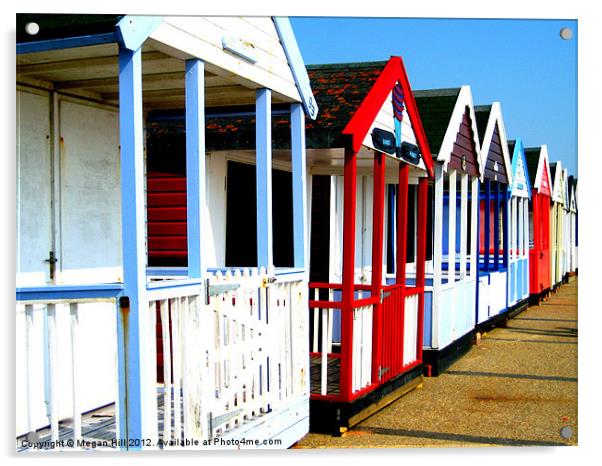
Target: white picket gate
(232, 360)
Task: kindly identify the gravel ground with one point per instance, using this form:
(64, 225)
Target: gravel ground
(518, 387)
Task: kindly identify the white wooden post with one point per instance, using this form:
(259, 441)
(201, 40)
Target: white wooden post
(451, 235)
(77, 414)
(52, 366)
(526, 228)
(29, 364)
(463, 224)
(437, 252)
(474, 253)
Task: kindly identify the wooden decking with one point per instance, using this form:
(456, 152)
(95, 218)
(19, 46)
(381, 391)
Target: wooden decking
(333, 376)
(98, 431)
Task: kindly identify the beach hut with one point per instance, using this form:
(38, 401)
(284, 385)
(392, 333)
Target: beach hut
(538, 167)
(572, 252)
(370, 166)
(566, 228)
(451, 287)
(494, 221)
(91, 315)
(520, 194)
(557, 216)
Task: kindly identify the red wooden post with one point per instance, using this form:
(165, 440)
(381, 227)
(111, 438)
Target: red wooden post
(400, 267)
(347, 291)
(402, 223)
(421, 259)
(378, 212)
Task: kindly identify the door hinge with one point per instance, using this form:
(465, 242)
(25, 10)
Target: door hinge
(52, 260)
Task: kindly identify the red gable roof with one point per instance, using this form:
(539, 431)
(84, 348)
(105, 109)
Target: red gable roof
(359, 125)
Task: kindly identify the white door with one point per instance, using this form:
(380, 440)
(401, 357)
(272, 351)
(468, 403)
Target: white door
(90, 194)
(34, 213)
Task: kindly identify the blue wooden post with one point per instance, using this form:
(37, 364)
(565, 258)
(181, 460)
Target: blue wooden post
(496, 226)
(391, 256)
(195, 165)
(263, 148)
(136, 348)
(299, 184)
(487, 223)
(506, 227)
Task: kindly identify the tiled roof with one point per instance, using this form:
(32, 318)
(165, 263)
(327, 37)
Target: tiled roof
(532, 157)
(511, 145)
(339, 89)
(435, 107)
(553, 166)
(482, 115)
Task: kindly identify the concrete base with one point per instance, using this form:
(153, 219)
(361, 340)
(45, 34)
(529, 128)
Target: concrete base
(336, 417)
(436, 361)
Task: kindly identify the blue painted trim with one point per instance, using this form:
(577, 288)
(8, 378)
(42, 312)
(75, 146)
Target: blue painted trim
(391, 239)
(166, 115)
(195, 163)
(496, 228)
(66, 43)
(130, 327)
(133, 30)
(166, 271)
(51, 292)
(263, 147)
(298, 156)
(506, 227)
(519, 151)
(172, 284)
(297, 65)
(487, 223)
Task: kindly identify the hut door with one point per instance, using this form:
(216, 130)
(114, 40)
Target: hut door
(34, 215)
(90, 194)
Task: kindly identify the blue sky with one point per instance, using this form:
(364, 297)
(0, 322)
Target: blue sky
(524, 64)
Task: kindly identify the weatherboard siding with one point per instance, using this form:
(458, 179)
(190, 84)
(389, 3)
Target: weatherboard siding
(464, 146)
(203, 38)
(496, 157)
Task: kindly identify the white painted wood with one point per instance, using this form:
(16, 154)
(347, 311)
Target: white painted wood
(464, 100)
(496, 119)
(356, 347)
(90, 195)
(77, 414)
(52, 372)
(437, 252)
(463, 223)
(330, 322)
(185, 37)
(316, 312)
(451, 236)
(473, 227)
(29, 361)
(177, 363)
(541, 181)
(166, 341)
(324, 361)
(34, 222)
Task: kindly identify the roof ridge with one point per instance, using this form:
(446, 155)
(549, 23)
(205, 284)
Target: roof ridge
(346, 65)
(447, 91)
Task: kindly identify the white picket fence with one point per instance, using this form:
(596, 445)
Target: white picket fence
(233, 360)
(66, 353)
